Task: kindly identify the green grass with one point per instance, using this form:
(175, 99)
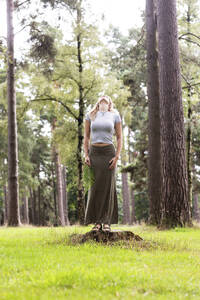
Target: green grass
(43, 263)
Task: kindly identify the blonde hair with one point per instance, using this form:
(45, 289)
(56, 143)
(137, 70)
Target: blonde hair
(94, 110)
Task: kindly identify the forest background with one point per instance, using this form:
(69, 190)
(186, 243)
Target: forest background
(65, 53)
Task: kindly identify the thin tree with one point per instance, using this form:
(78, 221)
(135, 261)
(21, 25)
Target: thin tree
(58, 167)
(25, 212)
(175, 204)
(5, 204)
(13, 187)
(189, 108)
(131, 184)
(80, 196)
(196, 211)
(125, 187)
(154, 158)
(65, 195)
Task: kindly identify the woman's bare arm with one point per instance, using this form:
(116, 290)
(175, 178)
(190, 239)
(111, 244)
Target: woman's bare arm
(86, 137)
(118, 130)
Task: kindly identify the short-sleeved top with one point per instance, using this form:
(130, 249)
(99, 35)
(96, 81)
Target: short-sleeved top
(102, 128)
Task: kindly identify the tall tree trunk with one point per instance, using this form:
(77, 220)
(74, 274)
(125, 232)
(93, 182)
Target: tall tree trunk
(54, 197)
(133, 218)
(131, 188)
(33, 205)
(175, 205)
(34, 208)
(39, 203)
(189, 145)
(30, 208)
(125, 187)
(65, 199)
(5, 204)
(154, 155)
(25, 209)
(125, 195)
(196, 208)
(189, 114)
(13, 187)
(61, 219)
(44, 209)
(80, 198)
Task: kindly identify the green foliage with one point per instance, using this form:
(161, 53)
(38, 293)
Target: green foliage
(71, 4)
(88, 177)
(42, 39)
(128, 61)
(51, 72)
(141, 206)
(189, 22)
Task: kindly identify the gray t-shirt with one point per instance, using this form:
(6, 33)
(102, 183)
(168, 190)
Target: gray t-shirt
(102, 128)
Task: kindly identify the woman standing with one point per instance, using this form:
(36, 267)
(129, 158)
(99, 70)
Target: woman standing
(100, 124)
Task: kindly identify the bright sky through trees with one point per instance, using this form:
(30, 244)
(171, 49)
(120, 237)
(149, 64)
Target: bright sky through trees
(123, 14)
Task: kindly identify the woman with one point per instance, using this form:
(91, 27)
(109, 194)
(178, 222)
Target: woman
(100, 124)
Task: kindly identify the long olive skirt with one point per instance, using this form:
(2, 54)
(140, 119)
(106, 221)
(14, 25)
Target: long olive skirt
(102, 203)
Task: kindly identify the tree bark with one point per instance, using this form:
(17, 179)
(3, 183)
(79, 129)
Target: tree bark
(31, 205)
(196, 208)
(189, 145)
(54, 194)
(154, 154)
(5, 204)
(34, 208)
(125, 195)
(133, 218)
(25, 209)
(175, 205)
(61, 219)
(13, 187)
(65, 199)
(125, 187)
(39, 203)
(80, 196)
(189, 114)
(54, 197)
(131, 189)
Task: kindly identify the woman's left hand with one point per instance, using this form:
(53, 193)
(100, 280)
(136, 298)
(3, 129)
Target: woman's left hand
(113, 162)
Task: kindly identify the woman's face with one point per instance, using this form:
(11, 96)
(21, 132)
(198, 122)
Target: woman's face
(103, 105)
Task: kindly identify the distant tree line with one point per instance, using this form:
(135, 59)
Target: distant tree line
(152, 75)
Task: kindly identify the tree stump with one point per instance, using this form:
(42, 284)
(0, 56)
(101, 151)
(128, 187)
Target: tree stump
(106, 236)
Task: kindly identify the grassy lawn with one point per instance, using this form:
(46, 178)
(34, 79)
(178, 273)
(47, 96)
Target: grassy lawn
(42, 263)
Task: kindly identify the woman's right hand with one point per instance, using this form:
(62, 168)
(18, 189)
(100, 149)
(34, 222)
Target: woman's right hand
(87, 161)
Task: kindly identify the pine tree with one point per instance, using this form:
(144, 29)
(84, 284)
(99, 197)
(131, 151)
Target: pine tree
(13, 187)
(175, 205)
(154, 155)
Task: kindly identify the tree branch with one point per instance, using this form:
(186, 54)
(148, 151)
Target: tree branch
(59, 101)
(141, 37)
(87, 91)
(21, 29)
(190, 41)
(189, 33)
(18, 5)
(190, 85)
